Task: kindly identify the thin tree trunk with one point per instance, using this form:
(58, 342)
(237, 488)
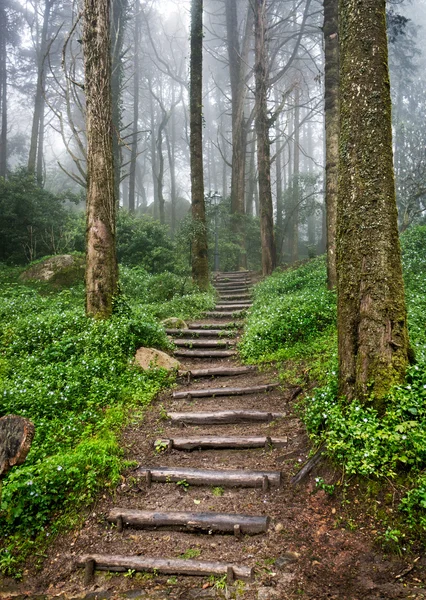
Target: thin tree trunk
(171, 145)
(154, 167)
(331, 85)
(134, 151)
(40, 154)
(372, 320)
(160, 175)
(118, 20)
(279, 183)
(310, 164)
(263, 144)
(294, 249)
(101, 262)
(200, 265)
(3, 91)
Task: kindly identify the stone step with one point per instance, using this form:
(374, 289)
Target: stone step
(205, 353)
(218, 442)
(225, 391)
(170, 566)
(189, 521)
(211, 477)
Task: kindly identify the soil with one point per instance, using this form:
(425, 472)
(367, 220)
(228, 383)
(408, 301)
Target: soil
(314, 547)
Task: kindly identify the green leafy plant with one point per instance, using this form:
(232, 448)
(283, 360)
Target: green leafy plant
(190, 553)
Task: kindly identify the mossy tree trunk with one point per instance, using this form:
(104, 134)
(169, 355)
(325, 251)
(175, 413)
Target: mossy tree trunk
(263, 142)
(101, 262)
(372, 321)
(200, 265)
(331, 85)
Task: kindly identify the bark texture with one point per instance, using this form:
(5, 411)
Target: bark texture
(372, 322)
(200, 266)
(263, 143)
(331, 85)
(101, 261)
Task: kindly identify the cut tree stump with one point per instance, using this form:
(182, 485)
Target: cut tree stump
(200, 333)
(219, 442)
(224, 391)
(190, 521)
(204, 343)
(216, 372)
(170, 566)
(223, 417)
(205, 353)
(16, 436)
(227, 478)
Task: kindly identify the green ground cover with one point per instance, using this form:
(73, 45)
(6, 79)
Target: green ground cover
(293, 322)
(74, 378)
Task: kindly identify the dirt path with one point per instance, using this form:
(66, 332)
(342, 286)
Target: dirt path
(308, 551)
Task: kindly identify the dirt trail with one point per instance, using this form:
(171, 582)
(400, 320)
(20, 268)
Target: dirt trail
(307, 552)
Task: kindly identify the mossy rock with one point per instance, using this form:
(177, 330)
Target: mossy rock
(150, 358)
(64, 270)
(174, 323)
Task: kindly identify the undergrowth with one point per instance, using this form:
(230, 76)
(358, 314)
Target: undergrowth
(75, 379)
(293, 322)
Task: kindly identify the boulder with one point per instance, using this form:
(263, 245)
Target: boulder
(174, 323)
(62, 270)
(149, 358)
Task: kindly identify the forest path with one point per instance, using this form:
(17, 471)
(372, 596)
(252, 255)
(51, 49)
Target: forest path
(309, 550)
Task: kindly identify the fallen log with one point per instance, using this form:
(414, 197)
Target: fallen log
(224, 391)
(200, 332)
(205, 353)
(224, 416)
(309, 465)
(198, 521)
(216, 372)
(219, 442)
(204, 343)
(170, 566)
(228, 478)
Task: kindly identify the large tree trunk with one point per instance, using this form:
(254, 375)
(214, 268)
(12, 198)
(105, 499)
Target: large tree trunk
(200, 265)
(101, 262)
(134, 150)
(40, 91)
(372, 321)
(263, 143)
(331, 85)
(3, 91)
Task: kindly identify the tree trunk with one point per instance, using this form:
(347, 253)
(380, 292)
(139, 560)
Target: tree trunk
(279, 182)
(252, 182)
(3, 91)
(134, 151)
(200, 265)
(171, 146)
(294, 225)
(372, 321)
(118, 20)
(263, 143)
(40, 91)
(101, 262)
(331, 85)
(154, 167)
(310, 163)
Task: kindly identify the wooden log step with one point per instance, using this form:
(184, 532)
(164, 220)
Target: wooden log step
(233, 290)
(230, 284)
(216, 372)
(241, 297)
(218, 442)
(243, 303)
(226, 477)
(200, 332)
(190, 521)
(231, 307)
(170, 566)
(205, 353)
(223, 315)
(204, 343)
(228, 325)
(224, 391)
(223, 417)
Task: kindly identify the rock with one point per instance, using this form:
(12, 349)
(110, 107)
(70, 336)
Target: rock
(279, 527)
(266, 593)
(174, 323)
(287, 558)
(149, 358)
(61, 271)
(16, 435)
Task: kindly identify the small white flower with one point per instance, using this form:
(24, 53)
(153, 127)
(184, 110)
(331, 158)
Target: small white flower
(365, 420)
(59, 468)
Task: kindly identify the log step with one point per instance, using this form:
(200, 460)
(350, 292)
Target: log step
(190, 521)
(227, 478)
(243, 303)
(235, 297)
(223, 315)
(205, 353)
(200, 332)
(234, 290)
(231, 307)
(223, 417)
(229, 325)
(218, 442)
(204, 343)
(224, 391)
(170, 566)
(216, 372)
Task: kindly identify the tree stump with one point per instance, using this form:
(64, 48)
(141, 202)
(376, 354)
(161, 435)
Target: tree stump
(16, 435)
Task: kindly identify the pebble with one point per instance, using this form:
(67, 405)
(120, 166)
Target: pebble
(279, 527)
